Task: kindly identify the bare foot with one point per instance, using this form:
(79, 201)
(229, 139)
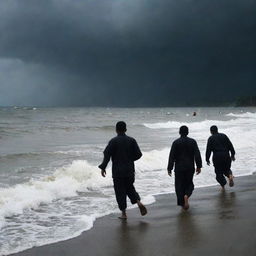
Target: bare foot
(143, 209)
(231, 180)
(223, 188)
(186, 204)
(123, 216)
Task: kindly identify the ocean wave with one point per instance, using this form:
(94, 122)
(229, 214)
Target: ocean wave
(42, 154)
(80, 181)
(78, 127)
(107, 127)
(243, 115)
(20, 155)
(65, 182)
(196, 125)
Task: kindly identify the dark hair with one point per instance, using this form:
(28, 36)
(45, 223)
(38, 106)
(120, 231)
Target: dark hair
(184, 130)
(121, 126)
(214, 129)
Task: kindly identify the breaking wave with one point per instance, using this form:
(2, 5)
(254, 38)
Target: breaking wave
(243, 115)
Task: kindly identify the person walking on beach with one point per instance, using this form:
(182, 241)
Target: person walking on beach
(123, 151)
(184, 154)
(223, 154)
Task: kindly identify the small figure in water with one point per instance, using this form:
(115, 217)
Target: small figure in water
(194, 114)
(220, 145)
(123, 151)
(184, 154)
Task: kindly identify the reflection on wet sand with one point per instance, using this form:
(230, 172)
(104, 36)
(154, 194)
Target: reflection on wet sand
(188, 232)
(130, 237)
(225, 205)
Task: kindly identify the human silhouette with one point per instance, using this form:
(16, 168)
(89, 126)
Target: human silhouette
(184, 154)
(123, 151)
(223, 154)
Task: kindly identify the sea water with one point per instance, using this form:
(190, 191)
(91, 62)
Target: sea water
(50, 186)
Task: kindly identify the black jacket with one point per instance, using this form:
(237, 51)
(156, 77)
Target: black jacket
(219, 143)
(184, 153)
(123, 151)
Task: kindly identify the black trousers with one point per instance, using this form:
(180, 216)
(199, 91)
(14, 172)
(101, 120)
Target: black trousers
(123, 188)
(183, 185)
(220, 176)
(222, 165)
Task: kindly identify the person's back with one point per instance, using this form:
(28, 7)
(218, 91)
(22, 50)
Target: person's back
(223, 152)
(185, 154)
(124, 151)
(220, 143)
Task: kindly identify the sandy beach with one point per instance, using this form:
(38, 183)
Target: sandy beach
(217, 224)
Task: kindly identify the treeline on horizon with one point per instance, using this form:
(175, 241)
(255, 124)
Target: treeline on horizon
(243, 101)
(248, 101)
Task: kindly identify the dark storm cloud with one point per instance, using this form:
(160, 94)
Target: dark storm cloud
(120, 52)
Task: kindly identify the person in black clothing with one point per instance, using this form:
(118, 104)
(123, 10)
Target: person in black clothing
(220, 145)
(123, 151)
(184, 154)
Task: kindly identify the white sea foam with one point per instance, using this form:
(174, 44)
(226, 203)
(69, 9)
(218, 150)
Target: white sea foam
(65, 182)
(196, 125)
(243, 115)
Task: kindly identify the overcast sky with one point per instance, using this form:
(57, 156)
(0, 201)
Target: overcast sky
(126, 52)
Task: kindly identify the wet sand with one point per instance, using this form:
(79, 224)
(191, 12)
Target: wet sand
(217, 224)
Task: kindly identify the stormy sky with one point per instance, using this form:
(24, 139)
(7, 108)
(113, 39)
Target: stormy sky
(126, 52)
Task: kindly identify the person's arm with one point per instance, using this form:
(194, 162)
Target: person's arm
(208, 151)
(171, 159)
(231, 148)
(137, 152)
(198, 159)
(107, 155)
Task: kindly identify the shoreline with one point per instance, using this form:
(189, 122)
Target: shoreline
(164, 204)
(114, 212)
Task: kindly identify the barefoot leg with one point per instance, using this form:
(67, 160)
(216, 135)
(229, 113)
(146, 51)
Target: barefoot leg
(231, 180)
(143, 209)
(186, 204)
(123, 216)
